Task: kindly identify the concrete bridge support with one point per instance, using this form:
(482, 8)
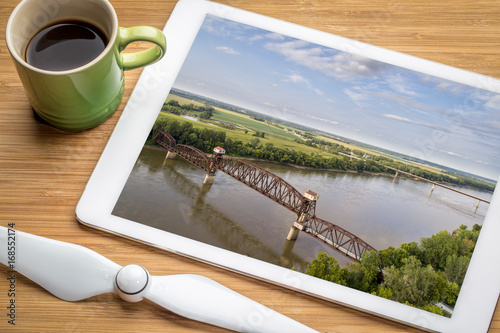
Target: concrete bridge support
(294, 231)
(170, 155)
(395, 177)
(209, 178)
(293, 234)
(432, 189)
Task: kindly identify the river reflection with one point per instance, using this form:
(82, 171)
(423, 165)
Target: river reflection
(170, 195)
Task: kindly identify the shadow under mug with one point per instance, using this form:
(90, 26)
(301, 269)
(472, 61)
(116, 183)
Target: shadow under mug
(83, 97)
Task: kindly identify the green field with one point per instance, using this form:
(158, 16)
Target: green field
(245, 128)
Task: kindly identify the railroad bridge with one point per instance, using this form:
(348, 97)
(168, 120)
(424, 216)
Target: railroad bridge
(275, 188)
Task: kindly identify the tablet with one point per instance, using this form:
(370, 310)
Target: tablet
(352, 173)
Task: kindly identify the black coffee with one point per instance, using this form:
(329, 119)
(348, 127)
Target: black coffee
(65, 45)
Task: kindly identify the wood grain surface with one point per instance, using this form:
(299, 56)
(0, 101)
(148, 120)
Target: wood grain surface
(43, 170)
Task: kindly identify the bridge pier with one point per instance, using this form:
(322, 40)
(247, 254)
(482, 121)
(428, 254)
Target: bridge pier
(209, 178)
(432, 189)
(308, 210)
(170, 155)
(287, 253)
(395, 177)
(294, 231)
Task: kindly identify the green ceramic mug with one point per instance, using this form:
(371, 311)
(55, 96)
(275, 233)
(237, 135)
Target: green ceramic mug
(82, 97)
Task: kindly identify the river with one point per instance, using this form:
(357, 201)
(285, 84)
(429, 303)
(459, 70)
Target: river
(384, 212)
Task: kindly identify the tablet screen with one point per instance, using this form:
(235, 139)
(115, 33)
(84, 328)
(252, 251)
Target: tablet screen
(310, 158)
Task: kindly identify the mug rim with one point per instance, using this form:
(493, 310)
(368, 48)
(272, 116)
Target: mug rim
(24, 63)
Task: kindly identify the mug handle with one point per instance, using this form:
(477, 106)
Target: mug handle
(142, 58)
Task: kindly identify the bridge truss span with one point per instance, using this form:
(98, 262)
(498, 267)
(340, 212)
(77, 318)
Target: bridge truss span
(335, 237)
(164, 139)
(195, 156)
(275, 188)
(191, 154)
(263, 181)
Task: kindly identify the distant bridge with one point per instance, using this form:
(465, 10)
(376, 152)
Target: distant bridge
(274, 188)
(479, 200)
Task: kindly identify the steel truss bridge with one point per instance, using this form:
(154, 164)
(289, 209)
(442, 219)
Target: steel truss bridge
(276, 189)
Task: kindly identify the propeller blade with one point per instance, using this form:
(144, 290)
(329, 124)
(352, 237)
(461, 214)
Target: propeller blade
(202, 299)
(72, 272)
(68, 271)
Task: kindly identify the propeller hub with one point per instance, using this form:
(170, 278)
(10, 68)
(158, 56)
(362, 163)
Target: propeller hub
(132, 282)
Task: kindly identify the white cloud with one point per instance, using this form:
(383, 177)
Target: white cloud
(457, 155)
(443, 86)
(296, 78)
(319, 92)
(275, 36)
(299, 79)
(342, 66)
(255, 38)
(493, 102)
(323, 120)
(415, 122)
(228, 50)
(393, 116)
(400, 84)
(356, 97)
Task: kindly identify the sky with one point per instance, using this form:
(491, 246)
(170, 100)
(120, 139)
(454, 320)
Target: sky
(346, 94)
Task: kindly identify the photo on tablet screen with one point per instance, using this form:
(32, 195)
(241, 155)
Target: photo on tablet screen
(346, 168)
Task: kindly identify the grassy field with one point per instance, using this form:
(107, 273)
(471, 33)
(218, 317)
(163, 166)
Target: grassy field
(238, 134)
(377, 153)
(245, 128)
(251, 124)
(183, 100)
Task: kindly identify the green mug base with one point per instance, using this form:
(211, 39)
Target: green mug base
(89, 122)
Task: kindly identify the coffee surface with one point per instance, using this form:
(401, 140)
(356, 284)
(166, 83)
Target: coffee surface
(65, 45)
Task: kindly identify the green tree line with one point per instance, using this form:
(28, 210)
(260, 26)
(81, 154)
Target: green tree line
(417, 274)
(185, 133)
(205, 111)
(206, 139)
(335, 148)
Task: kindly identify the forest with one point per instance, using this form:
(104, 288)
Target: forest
(421, 275)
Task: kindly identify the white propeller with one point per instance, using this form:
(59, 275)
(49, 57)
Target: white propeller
(72, 272)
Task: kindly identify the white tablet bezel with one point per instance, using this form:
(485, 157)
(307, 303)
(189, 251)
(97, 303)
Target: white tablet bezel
(478, 297)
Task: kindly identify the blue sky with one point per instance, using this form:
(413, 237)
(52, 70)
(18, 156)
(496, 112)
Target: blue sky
(345, 94)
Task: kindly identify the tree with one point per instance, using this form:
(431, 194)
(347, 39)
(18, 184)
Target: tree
(192, 139)
(413, 283)
(361, 277)
(254, 142)
(450, 294)
(206, 115)
(436, 249)
(383, 292)
(469, 238)
(326, 268)
(173, 102)
(456, 267)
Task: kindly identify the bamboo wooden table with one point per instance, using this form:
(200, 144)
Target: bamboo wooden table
(43, 171)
